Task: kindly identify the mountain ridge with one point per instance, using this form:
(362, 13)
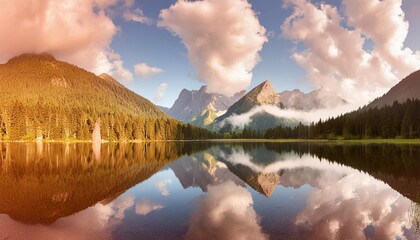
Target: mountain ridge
(44, 98)
(262, 94)
(407, 88)
(43, 78)
(199, 107)
(316, 99)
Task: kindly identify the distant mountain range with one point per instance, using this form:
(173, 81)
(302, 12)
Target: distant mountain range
(211, 110)
(408, 88)
(251, 110)
(199, 107)
(316, 99)
(43, 98)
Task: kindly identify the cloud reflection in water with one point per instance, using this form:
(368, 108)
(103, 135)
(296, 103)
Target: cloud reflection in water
(226, 212)
(95, 222)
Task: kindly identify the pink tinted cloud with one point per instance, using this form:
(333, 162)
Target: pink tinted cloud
(226, 212)
(335, 58)
(78, 31)
(222, 38)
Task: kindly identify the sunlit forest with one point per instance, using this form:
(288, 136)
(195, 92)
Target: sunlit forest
(48, 122)
(43, 98)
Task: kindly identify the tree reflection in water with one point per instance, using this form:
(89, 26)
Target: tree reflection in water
(80, 191)
(42, 183)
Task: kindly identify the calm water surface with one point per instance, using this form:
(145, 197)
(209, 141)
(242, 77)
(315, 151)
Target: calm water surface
(209, 191)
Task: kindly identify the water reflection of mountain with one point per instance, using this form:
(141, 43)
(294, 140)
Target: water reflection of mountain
(210, 168)
(345, 199)
(202, 170)
(265, 165)
(261, 165)
(41, 183)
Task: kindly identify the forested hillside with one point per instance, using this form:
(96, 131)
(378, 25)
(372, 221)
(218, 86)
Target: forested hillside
(400, 120)
(408, 88)
(42, 98)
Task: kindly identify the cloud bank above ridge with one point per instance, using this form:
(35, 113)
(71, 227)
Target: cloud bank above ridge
(335, 56)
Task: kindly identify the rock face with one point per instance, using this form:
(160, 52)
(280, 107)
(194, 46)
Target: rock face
(263, 94)
(199, 107)
(407, 88)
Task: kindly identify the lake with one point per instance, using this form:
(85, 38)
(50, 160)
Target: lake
(205, 190)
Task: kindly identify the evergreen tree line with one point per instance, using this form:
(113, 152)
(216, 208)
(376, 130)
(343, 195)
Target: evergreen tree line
(396, 121)
(23, 121)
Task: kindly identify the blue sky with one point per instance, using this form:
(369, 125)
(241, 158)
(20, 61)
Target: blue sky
(356, 49)
(156, 46)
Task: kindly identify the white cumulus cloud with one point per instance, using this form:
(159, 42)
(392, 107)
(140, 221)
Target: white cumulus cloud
(335, 57)
(77, 31)
(145, 207)
(226, 212)
(346, 209)
(160, 92)
(162, 187)
(145, 71)
(119, 72)
(222, 38)
(95, 222)
(136, 15)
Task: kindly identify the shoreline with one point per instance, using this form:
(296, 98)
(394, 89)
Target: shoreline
(323, 141)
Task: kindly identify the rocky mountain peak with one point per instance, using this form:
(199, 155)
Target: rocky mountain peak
(194, 104)
(265, 94)
(203, 89)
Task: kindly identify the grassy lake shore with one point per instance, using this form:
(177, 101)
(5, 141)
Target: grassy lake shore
(339, 141)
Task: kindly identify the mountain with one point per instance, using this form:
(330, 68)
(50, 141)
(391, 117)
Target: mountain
(164, 109)
(199, 107)
(43, 98)
(214, 111)
(32, 78)
(263, 94)
(408, 88)
(260, 108)
(316, 99)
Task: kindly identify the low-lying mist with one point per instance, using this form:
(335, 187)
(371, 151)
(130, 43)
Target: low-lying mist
(306, 117)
